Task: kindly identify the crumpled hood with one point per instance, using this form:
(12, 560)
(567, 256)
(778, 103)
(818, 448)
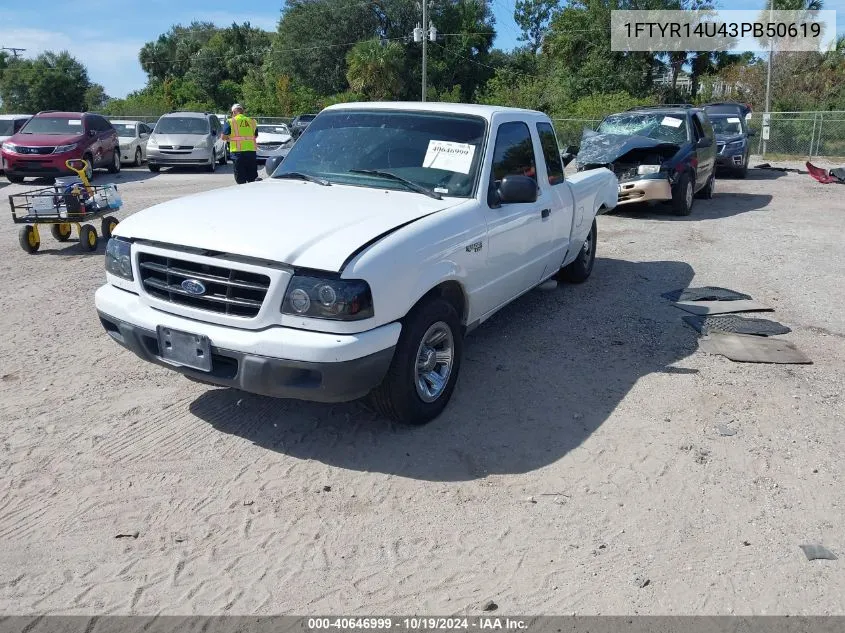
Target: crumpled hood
(288, 221)
(600, 149)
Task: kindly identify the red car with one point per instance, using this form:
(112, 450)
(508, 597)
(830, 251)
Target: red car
(42, 146)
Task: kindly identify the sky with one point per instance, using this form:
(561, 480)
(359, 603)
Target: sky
(106, 35)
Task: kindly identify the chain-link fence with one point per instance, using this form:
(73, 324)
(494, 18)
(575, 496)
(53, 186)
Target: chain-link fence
(795, 135)
(151, 119)
(800, 134)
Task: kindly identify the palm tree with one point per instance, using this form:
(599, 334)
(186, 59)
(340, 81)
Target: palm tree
(375, 69)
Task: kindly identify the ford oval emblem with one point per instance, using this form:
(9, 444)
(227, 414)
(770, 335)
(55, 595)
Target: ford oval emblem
(193, 286)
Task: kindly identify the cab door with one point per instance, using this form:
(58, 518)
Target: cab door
(516, 256)
(558, 223)
(705, 149)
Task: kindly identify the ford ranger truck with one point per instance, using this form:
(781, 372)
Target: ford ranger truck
(388, 233)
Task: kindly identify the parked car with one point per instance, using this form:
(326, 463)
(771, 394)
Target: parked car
(300, 123)
(223, 118)
(276, 156)
(371, 262)
(133, 136)
(733, 147)
(186, 139)
(10, 124)
(49, 139)
(662, 153)
(729, 107)
(271, 138)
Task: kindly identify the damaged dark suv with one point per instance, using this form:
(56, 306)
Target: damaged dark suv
(662, 153)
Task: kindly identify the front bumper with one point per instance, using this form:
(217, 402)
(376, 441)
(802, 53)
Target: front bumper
(179, 157)
(36, 166)
(279, 362)
(731, 161)
(644, 190)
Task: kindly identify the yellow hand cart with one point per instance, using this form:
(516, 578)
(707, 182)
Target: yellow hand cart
(64, 207)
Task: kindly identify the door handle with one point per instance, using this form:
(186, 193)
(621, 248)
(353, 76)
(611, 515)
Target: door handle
(545, 213)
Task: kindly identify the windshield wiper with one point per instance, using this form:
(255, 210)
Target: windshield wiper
(408, 183)
(298, 175)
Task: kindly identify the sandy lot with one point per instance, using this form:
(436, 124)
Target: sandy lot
(580, 450)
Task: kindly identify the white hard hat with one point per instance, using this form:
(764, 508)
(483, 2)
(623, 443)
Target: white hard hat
(237, 106)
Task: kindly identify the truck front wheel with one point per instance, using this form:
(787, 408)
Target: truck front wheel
(578, 271)
(425, 365)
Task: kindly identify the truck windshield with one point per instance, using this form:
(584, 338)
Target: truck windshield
(437, 151)
(661, 127)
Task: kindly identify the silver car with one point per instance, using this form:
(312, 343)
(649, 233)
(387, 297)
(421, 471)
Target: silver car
(186, 138)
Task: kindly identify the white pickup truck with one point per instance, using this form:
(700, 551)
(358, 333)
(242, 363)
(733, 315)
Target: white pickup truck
(388, 232)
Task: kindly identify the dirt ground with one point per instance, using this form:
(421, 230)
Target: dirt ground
(579, 454)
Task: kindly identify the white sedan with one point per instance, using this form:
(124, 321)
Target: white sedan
(133, 137)
(271, 138)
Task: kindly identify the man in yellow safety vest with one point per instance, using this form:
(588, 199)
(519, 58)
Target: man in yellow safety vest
(240, 132)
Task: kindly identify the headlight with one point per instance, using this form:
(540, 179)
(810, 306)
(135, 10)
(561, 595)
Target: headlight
(648, 169)
(201, 144)
(61, 149)
(119, 258)
(10, 147)
(321, 298)
(152, 142)
(736, 145)
(125, 148)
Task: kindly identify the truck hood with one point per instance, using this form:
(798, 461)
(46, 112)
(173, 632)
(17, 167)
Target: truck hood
(287, 221)
(602, 149)
(729, 138)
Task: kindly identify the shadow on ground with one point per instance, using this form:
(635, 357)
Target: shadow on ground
(722, 205)
(537, 380)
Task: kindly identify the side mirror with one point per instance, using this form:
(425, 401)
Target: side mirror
(214, 132)
(272, 163)
(752, 133)
(516, 189)
(704, 142)
(92, 132)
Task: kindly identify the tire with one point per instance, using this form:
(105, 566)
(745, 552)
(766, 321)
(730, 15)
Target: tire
(682, 195)
(89, 172)
(17, 180)
(28, 239)
(398, 397)
(579, 270)
(138, 158)
(709, 188)
(107, 226)
(212, 166)
(114, 168)
(154, 168)
(61, 232)
(88, 237)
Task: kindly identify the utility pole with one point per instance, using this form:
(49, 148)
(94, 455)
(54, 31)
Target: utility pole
(766, 116)
(423, 34)
(15, 51)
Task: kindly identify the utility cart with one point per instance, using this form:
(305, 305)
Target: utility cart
(65, 205)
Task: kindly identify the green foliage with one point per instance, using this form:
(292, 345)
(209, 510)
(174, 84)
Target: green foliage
(375, 69)
(533, 17)
(51, 81)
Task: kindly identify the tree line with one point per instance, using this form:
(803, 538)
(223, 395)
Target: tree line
(328, 51)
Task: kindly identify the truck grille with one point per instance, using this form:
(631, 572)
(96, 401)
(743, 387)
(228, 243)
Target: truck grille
(227, 290)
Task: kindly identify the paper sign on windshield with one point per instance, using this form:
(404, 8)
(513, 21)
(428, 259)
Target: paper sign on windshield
(671, 121)
(449, 156)
(733, 119)
(74, 122)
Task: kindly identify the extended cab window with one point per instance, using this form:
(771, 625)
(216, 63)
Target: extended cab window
(698, 130)
(514, 153)
(551, 153)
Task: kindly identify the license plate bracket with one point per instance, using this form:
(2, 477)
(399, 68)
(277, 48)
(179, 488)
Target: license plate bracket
(184, 348)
